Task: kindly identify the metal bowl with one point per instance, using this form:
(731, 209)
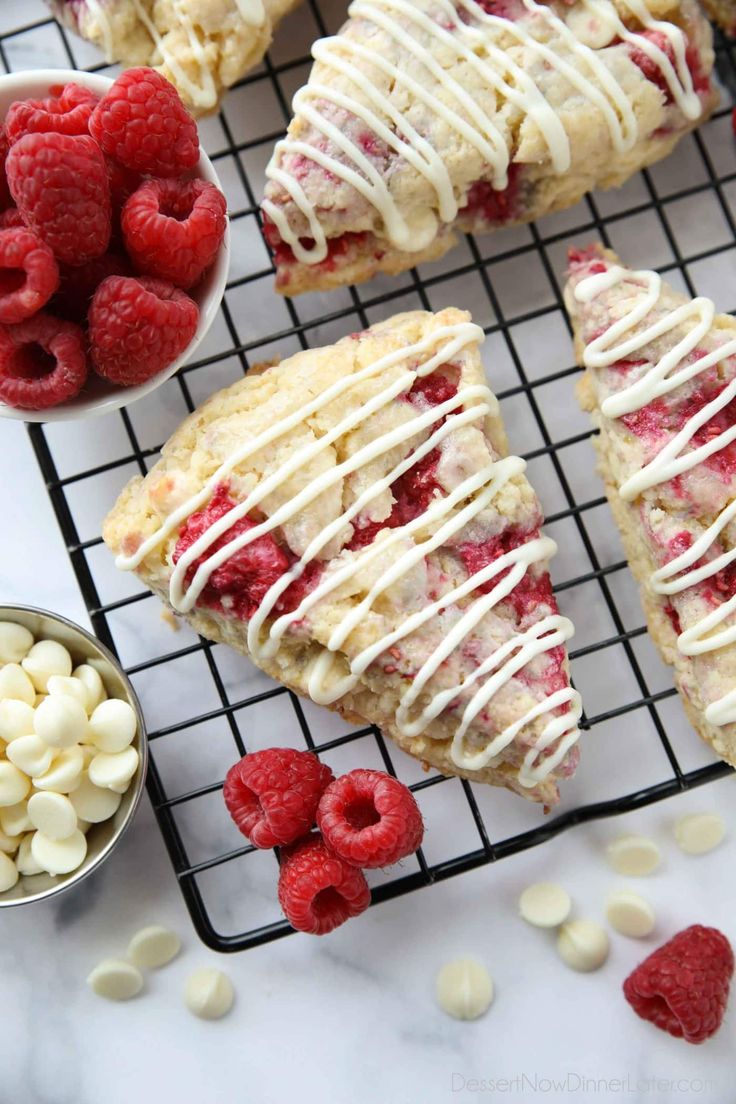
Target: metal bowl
(101, 838)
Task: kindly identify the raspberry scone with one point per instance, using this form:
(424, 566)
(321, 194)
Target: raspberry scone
(202, 46)
(722, 12)
(350, 519)
(427, 116)
(661, 385)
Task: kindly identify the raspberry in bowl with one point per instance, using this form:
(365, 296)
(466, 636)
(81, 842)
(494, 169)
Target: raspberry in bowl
(103, 299)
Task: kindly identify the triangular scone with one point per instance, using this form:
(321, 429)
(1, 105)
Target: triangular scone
(386, 556)
(423, 116)
(661, 385)
(201, 46)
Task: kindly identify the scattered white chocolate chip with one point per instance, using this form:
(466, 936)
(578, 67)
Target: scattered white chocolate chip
(53, 814)
(46, 658)
(24, 860)
(61, 721)
(16, 719)
(209, 994)
(699, 832)
(64, 774)
(15, 642)
(545, 905)
(634, 856)
(108, 771)
(14, 819)
(93, 684)
(30, 755)
(153, 947)
(14, 785)
(112, 726)
(8, 872)
(93, 803)
(115, 980)
(629, 914)
(59, 856)
(16, 685)
(464, 989)
(583, 945)
(70, 687)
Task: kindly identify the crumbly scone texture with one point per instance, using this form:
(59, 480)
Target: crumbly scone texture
(654, 524)
(210, 435)
(206, 45)
(359, 244)
(722, 12)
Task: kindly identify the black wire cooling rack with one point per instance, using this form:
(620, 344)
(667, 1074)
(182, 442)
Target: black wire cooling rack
(204, 705)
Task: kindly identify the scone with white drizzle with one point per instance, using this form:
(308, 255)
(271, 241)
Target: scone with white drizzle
(202, 46)
(350, 519)
(427, 116)
(661, 385)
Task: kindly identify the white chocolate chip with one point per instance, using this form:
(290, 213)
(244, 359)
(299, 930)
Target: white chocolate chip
(93, 803)
(153, 947)
(589, 29)
(108, 771)
(59, 856)
(70, 688)
(14, 785)
(83, 826)
(16, 685)
(8, 872)
(545, 905)
(24, 860)
(634, 856)
(629, 914)
(9, 844)
(583, 945)
(47, 658)
(14, 819)
(699, 832)
(464, 989)
(209, 994)
(115, 980)
(113, 725)
(64, 774)
(15, 642)
(93, 684)
(53, 814)
(16, 719)
(61, 721)
(30, 755)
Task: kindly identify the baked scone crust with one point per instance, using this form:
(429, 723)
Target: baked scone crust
(722, 12)
(652, 524)
(241, 412)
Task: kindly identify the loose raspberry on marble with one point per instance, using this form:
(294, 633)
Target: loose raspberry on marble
(682, 987)
(370, 819)
(143, 124)
(78, 283)
(318, 891)
(173, 228)
(66, 111)
(60, 185)
(137, 327)
(272, 795)
(29, 275)
(43, 362)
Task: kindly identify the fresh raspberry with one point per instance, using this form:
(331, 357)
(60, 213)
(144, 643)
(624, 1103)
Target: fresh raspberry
(318, 890)
(123, 182)
(173, 228)
(29, 275)
(78, 283)
(272, 795)
(43, 362)
(683, 986)
(60, 185)
(67, 111)
(11, 219)
(370, 819)
(137, 327)
(142, 123)
(5, 197)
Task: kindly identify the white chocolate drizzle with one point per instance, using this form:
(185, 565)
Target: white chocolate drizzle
(630, 334)
(476, 44)
(332, 674)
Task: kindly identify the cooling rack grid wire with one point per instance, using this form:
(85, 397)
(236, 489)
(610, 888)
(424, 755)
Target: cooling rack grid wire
(204, 704)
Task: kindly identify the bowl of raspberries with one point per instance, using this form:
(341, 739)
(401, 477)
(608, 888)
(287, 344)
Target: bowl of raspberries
(114, 241)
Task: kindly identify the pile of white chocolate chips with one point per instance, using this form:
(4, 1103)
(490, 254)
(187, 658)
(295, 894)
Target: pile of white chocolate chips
(66, 755)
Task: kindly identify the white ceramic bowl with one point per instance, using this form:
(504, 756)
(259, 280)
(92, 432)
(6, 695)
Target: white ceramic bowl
(101, 838)
(100, 397)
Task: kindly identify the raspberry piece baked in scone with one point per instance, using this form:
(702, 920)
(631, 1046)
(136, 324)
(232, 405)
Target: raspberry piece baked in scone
(202, 46)
(351, 521)
(661, 385)
(427, 116)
